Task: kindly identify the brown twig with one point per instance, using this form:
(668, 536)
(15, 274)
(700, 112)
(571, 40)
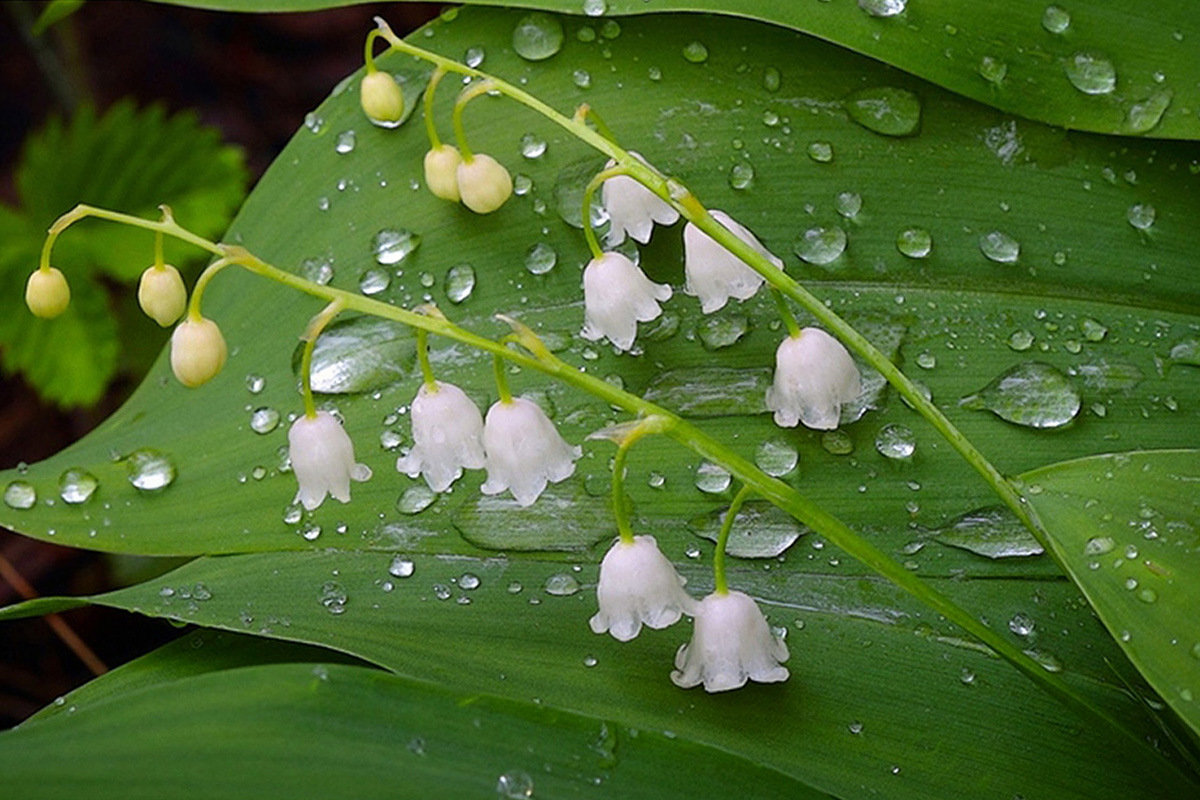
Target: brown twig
(60, 627)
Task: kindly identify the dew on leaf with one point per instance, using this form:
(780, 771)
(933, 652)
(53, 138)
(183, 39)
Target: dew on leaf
(264, 419)
(532, 146)
(1022, 624)
(595, 8)
(537, 36)
(885, 110)
(149, 470)
(896, 442)
(317, 270)
(837, 443)
(717, 332)
(1093, 330)
(998, 246)
(1056, 19)
(741, 175)
(760, 530)
(540, 258)
(401, 567)
(1020, 340)
(883, 8)
(415, 499)
(992, 70)
(474, 56)
(1186, 351)
(821, 152)
(914, 242)
(776, 457)
(1032, 394)
(1144, 115)
(374, 281)
(561, 584)
(20, 495)
(1104, 375)
(346, 141)
(993, 532)
(1091, 73)
(821, 245)
(848, 204)
(76, 485)
(1141, 216)
(393, 246)
(581, 78)
(695, 52)
(255, 383)
(359, 355)
(712, 478)
(333, 596)
(460, 282)
(771, 79)
(517, 785)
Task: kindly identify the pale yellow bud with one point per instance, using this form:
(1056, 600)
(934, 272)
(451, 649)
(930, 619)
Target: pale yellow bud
(483, 184)
(47, 293)
(161, 294)
(197, 351)
(441, 171)
(382, 99)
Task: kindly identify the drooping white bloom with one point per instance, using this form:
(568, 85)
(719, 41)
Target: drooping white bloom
(161, 294)
(617, 295)
(197, 351)
(447, 429)
(524, 451)
(47, 293)
(731, 643)
(632, 208)
(441, 171)
(483, 183)
(322, 457)
(713, 273)
(637, 586)
(814, 376)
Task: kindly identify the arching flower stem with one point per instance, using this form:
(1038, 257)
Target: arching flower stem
(369, 50)
(620, 503)
(465, 96)
(589, 192)
(721, 585)
(785, 313)
(423, 359)
(435, 141)
(501, 378)
(311, 333)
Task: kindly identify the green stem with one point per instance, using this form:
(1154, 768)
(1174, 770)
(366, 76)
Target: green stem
(311, 334)
(589, 191)
(210, 272)
(721, 585)
(430, 128)
(785, 312)
(368, 50)
(624, 529)
(465, 96)
(585, 111)
(501, 378)
(423, 360)
(159, 261)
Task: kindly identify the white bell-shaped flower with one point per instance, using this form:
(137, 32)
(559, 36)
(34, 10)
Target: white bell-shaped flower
(524, 450)
(637, 586)
(322, 457)
(161, 294)
(483, 183)
(441, 171)
(617, 295)
(632, 208)
(198, 351)
(731, 643)
(814, 376)
(47, 293)
(447, 436)
(713, 273)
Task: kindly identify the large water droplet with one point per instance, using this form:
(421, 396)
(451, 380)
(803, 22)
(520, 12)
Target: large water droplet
(1141, 216)
(776, 457)
(1144, 116)
(20, 495)
(359, 355)
(998, 246)
(333, 596)
(149, 470)
(717, 332)
(346, 140)
(537, 36)
(76, 485)
(695, 52)
(264, 419)
(896, 442)
(994, 532)
(1091, 73)
(415, 499)
(1056, 19)
(516, 785)
(595, 8)
(821, 245)
(561, 584)
(532, 146)
(569, 186)
(885, 110)
(1032, 394)
(392, 246)
(460, 282)
(883, 8)
(914, 242)
(712, 478)
(563, 519)
(374, 281)
(741, 175)
(540, 258)
(760, 530)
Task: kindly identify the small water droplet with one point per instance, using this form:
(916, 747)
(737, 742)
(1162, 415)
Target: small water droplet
(926, 360)
(401, 567)
(460, 282)
(992, 70)
(314, 122)
(581, 78)
(595, 8)
(20, 495)
(914, 242)
(821, 152)
(656, 480)
(896, 442)
(855, 727)
(1047, 661)
(821, 245)
(392, 246)
(998, 246)
(695, 52)
(537, 36)
(1144, 115)
(1056, 19)
(540, 258)
(776, 457)
(346, 140)
(848, 204)
(333, 597)
(374, 281)
(264, 420)
(76, 485)
(561, 584)
(771, 79)
(1141, 216)
(837, 442)
(474, 56)
(883, 8)
(1099, 545)
(741, 175)
(1022, 624)
(1020, 340)
(149, 470)
(532, 146)
(1032, 394)
(717, 332)
(518, 785)
(885, 110)
(1093, 330)
(317, 270)
(415, 499)
(712, 478)
(468, 581)
(966, 676)
(1091, 73)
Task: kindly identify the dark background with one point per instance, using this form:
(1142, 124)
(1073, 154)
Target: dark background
(253, 76)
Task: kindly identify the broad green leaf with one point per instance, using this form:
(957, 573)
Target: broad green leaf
(1096, 65)
(333, 730)
(1127, 526)
(883, 698)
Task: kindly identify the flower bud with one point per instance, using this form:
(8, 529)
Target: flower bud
(47, 293)
(161, 294)
(382, 100)
(441, 171)
(197, 351)
(483, 183)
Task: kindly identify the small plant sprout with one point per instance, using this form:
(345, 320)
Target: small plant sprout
(381, 97)
(632, 208)
(161, 292)
(814, 377)
(47, 293)
(617, 295)
(713, 273)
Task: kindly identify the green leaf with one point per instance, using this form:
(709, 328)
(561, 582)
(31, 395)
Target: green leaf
(1016, 56)
(305, 730)
(1127, 526)
(54, 12)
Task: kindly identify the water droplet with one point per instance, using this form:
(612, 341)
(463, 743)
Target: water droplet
(581, 78)
(1022, 624)
(314, 122)
(966, 676)
(317, 270)
(992, 70)
(1145, 115)
(1020, 340)
(717, 332)
(695, 52)
(532, 146)
(771, 79)
(885, 110)
(914, 242)
(821, 245)
(1032, 394)
(561, 584)
(359, 355)
(1047, 661)
(518, 785)
(537, 36)
(149, 470)
(401, 567)
(837, 442)
(760, 530)
(895, 442)
(776, 457)
(848, 204)
(468, 581)
(741, 175)
(374, 281)
(712, 478)
(998, 246)
(1091, 73)
(611, 29)
(883, 8)
(656, 480)
(333, 597)
(1093, 330)
(594, 8)
(540, 258)
(415, 499)
(20, 495)
(1141, 215)
(1056, 19)
(392, 246)
(76, 485)
(1147, 596)
(460, 282)
(1108, 376)
(346, 141)
(821, 152)
(474, 56)
(994, 532)
(264, 420)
